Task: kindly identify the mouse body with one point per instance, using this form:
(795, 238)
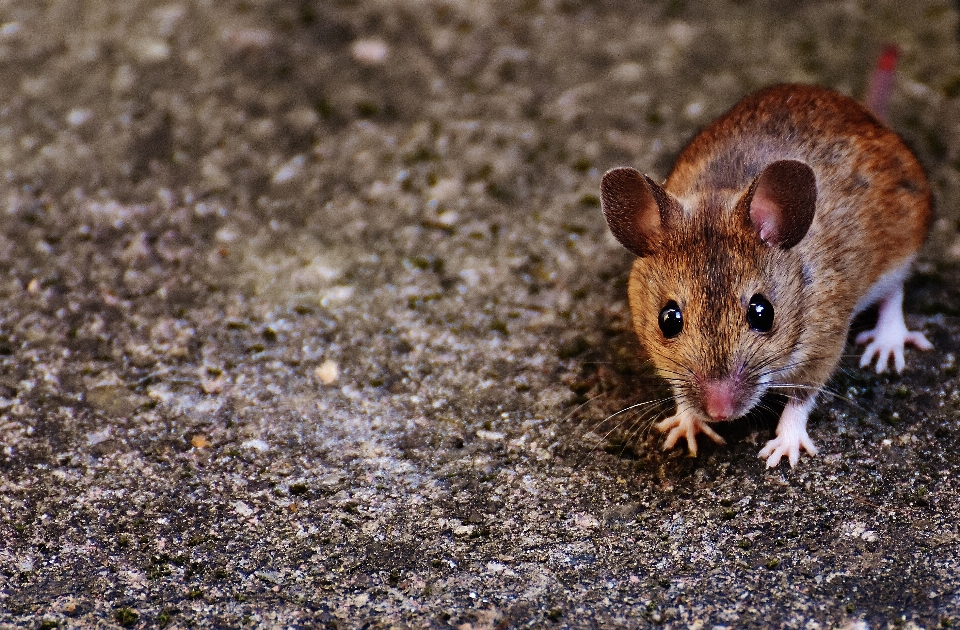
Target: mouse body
(779, 222)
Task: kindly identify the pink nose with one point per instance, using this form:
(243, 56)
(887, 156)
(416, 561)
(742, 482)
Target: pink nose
(718, 399)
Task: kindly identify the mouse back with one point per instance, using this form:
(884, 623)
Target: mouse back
(869, 183)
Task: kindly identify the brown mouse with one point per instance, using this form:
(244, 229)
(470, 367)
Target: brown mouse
(781, 221)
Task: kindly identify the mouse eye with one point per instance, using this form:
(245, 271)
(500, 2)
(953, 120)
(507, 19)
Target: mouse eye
(760, 313)
(671, 320)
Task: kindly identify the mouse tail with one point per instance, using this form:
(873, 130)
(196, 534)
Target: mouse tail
(881, 82)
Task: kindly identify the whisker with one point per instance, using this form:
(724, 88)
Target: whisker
(642, 410)
(579, 407)
(641, 426)
(826, 390)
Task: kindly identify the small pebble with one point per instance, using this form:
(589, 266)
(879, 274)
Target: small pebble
(78, 116)
(303, 118)
(213, 385)
(97, 437)
(151, 49)
(289, 170)
(371, 51)
(257, 445)
(328, 372)
(336, 294)
(242, 508)
(200, 441)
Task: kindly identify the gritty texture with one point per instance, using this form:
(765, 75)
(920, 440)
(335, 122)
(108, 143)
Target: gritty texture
(311, 319)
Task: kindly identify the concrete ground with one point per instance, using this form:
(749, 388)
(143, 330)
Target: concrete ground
(311, 319)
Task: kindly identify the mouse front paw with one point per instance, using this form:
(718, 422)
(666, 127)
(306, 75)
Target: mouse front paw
(686, 424)
(791, 435)
(788, 444)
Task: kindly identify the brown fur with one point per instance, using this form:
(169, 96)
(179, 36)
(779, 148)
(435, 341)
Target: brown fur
(872, 213)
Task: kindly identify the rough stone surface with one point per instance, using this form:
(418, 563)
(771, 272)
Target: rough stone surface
(310, 319)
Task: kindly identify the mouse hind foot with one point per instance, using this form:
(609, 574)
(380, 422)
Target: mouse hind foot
(890, 335)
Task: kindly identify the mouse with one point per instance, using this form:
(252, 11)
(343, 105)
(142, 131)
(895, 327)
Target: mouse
(781, 221)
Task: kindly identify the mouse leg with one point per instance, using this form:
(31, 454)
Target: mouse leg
(890, 335)
(791, 434)
(686, 424)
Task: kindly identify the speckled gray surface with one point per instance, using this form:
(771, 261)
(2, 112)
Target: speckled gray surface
(310, 319)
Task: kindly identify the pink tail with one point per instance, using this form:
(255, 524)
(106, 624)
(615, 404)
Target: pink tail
(881, 83)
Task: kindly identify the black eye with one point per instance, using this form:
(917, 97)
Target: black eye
(671, 320)
(760, 313)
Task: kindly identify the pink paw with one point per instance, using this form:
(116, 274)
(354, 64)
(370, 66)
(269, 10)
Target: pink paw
(889, 342)
(787, 443)
(686, 424)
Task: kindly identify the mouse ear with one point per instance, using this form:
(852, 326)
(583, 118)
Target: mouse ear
(636, 208)
(782, 200)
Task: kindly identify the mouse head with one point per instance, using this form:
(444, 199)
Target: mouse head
(716, 291)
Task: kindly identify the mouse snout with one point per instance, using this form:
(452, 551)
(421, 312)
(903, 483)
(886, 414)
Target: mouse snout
(719, 398)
